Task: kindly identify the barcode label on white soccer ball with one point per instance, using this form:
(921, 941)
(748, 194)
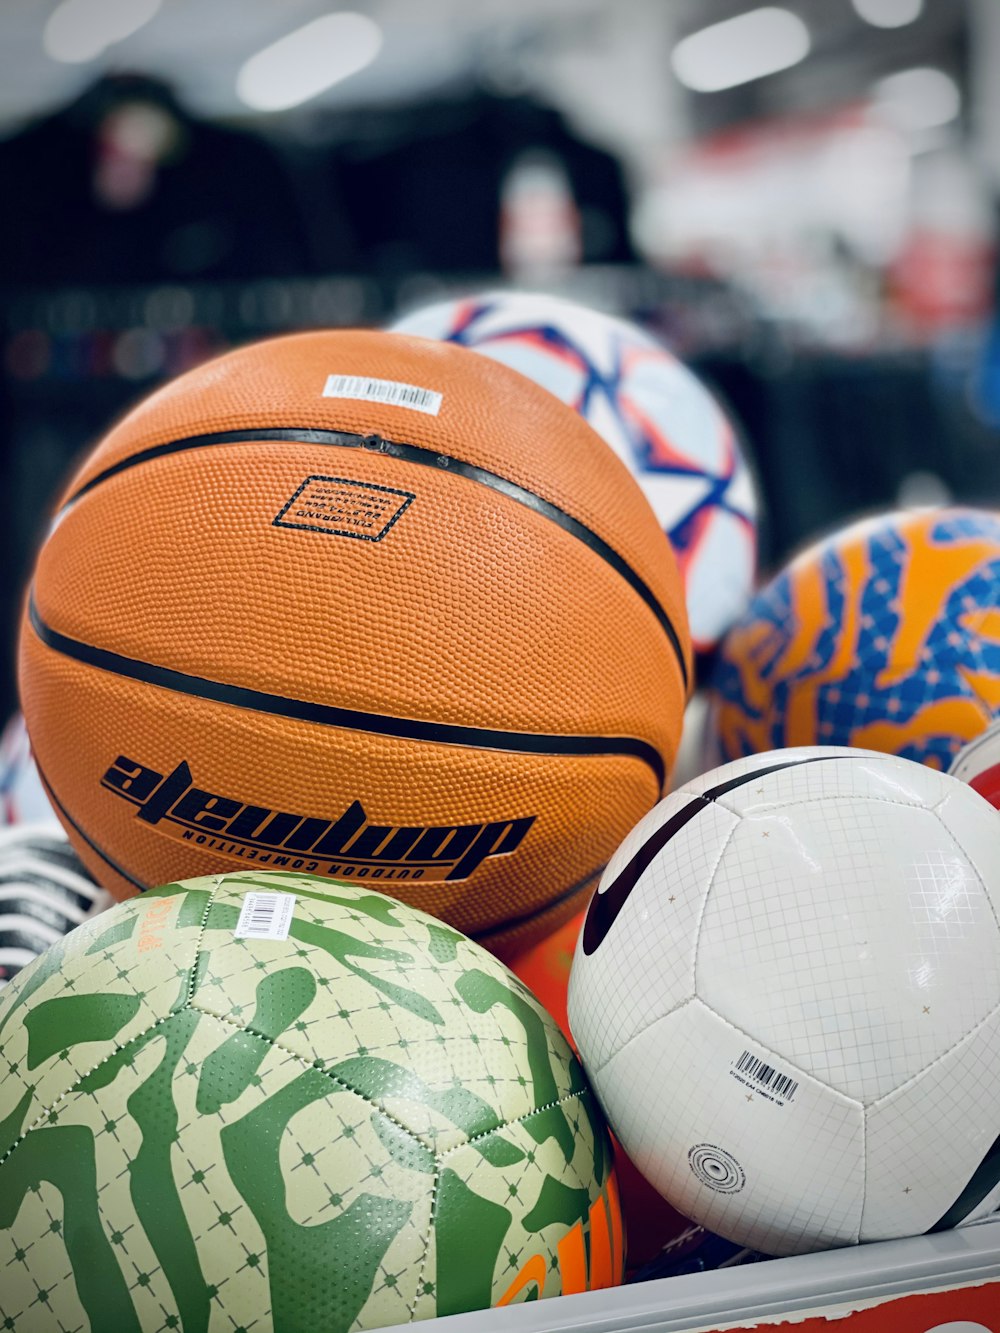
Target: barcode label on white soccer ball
(383, 391)
(769, 1081)
(265, 916)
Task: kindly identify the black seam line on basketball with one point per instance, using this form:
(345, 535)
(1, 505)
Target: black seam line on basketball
(985, 1178)
(412, 453)
(98, 851)
(277, 705)
(502, 927)
(605, 907)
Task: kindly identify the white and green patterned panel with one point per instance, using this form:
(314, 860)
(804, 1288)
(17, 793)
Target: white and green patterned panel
(368, 1122)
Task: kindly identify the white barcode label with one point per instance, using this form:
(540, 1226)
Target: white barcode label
(752, 1071)
(383, 391)
(265, 916)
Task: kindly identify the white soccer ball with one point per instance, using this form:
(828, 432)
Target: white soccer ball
(787, 997)
(656, 415)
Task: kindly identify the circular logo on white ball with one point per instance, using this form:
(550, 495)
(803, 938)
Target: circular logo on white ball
(716, 1168)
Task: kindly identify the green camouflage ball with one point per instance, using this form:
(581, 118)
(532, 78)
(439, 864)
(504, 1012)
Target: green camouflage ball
(368, 1122)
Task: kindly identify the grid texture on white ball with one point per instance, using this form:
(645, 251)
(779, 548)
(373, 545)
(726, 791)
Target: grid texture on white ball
(926, 1139)
(972, 822)
(644, 967)
(764, 763)
(833, 774)
(671, 1096)
(833, 924)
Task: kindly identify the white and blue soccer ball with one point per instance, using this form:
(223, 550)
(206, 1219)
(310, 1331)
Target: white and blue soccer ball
(787, 996)
(654, 412)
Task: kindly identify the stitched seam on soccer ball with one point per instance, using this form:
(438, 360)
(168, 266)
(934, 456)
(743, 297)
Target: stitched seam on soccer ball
(121, 1046)
(200, 940)
(795, 801)
(46, 1111)
(517, 1120)
(599, 1069)
(972, 865)
(707, 894)
(316, 1065)
(431, 1231)
(888, 1096)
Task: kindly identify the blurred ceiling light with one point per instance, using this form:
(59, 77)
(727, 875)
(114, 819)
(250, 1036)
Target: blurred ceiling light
(737, 50)
(79, 30)
(889, 13)
(308, 61)
(918, 99)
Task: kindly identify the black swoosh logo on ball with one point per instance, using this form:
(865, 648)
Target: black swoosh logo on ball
(985, 1178)
(605, 907)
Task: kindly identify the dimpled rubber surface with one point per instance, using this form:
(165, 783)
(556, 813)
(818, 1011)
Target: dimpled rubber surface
(472, 609)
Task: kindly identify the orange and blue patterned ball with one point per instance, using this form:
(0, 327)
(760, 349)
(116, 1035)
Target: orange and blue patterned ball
(885, 636)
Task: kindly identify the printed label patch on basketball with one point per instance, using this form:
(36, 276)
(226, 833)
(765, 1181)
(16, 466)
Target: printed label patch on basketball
(344, 508)
(369, 390)
(265, 916)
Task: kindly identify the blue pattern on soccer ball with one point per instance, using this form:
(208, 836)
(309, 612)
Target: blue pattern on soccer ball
(885, 636)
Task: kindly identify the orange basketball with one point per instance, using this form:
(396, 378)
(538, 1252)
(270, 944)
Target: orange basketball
(360, 605)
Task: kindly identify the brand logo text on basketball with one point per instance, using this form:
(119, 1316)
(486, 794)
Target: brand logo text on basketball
(348, 845)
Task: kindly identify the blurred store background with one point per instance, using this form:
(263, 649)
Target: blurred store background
(801, 199)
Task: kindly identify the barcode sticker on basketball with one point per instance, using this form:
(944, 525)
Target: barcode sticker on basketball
(370, 390)
(753, 1072)
(265, 916)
